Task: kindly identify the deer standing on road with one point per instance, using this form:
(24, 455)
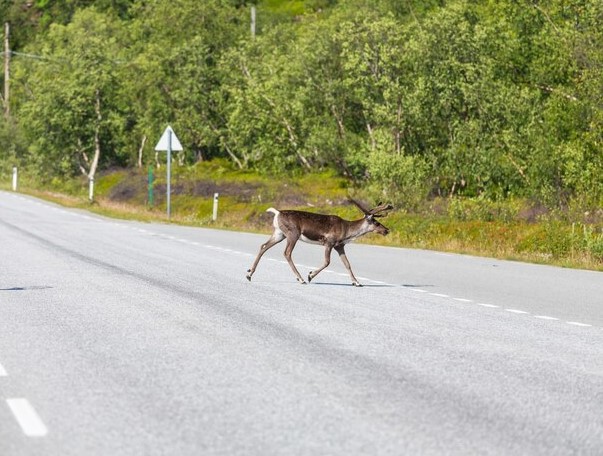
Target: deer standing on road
(329, 230)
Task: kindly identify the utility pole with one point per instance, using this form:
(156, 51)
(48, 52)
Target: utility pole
(6, 70)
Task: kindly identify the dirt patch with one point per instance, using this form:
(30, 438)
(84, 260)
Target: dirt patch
(532, 213)
(283, 196)
(207, 188)
(126, 191)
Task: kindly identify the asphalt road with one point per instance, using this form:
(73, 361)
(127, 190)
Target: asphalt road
(124, 338)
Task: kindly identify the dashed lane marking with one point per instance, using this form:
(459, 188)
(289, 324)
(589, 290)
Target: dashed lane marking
(576, 323)
(27, 417)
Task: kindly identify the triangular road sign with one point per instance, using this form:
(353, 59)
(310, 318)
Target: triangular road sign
(165, 137)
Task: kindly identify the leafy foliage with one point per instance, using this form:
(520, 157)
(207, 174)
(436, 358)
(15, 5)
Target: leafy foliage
(489, 100)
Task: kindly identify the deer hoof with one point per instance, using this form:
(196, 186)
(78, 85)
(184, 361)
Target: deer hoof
(248, 276)
(302, 281)
(356, 284)
(310, 277)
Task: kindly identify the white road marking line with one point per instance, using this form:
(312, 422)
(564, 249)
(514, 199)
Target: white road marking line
(545, 317)
(26, 416)
(488, 305)
(575, 323)
(516, 311)
(3, 372)
(462, 300)
(418, 290)
(439, 295)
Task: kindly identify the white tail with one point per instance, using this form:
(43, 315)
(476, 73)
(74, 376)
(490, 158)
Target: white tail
(329, 230)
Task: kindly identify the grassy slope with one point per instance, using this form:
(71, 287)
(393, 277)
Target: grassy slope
(466, 227)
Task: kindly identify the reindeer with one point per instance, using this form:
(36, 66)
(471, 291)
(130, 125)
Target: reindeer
(329, 230)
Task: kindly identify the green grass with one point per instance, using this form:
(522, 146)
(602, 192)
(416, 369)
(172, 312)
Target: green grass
(471, 226)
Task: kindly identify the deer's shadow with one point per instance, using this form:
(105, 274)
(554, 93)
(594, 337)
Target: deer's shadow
(26, 288)
(364, 285)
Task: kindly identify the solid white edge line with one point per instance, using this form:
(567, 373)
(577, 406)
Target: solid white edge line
(26, 416)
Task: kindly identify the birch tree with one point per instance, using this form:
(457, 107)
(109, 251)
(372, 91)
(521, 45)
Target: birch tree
(69, 105)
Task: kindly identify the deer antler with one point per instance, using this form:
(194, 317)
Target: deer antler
(364, 210)
(376, 212)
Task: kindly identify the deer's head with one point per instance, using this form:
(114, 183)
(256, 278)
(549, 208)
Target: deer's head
(371, 215)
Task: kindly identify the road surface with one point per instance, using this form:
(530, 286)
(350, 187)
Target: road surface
(127, 338)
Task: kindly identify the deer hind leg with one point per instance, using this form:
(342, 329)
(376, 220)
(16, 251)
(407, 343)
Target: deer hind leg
(291, 241)
(313, 274)
(344, 259)
(276, 237)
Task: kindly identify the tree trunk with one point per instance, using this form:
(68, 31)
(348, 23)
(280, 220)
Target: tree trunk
(97, 146)
(141, 149)
(371, 136)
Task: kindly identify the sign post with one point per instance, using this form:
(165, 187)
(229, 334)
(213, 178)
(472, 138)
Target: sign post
(168, 142)
(150, 185)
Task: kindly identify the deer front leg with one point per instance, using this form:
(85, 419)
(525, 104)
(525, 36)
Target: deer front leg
(274, 239)
(341, 250)
(291, 241)
(313, 274)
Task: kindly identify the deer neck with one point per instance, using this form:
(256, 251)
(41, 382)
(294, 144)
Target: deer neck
(355, 229)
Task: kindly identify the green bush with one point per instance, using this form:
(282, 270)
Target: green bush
(483, 209)
(399, 178)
